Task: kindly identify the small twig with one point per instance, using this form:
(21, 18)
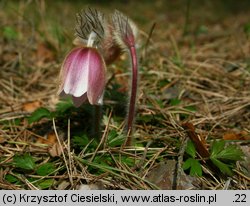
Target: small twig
(152, 160)
(69, 154)
(61, 148)
(115, 171)
(178, 170)
(242, 175)
(148, 40)
(227, 184)
(143, 158)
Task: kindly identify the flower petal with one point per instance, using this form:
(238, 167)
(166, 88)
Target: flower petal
(63, 94)
(77, 101)
(96, 78)
(65, 69)
(77, 68)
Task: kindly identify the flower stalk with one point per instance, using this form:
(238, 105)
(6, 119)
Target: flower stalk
(132, 101)
(125, 35)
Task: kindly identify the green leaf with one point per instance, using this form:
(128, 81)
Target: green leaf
(194, 165)
(202, 29)
(247, 28)
(231, 152)
(196, 169)
(115, 139)
(11, 178)
(81, 140)
(57, 32)
(63, 106)
(104, 160)
(46, 169)
(177, 61)
(191, 108)
(217, 147)
(45, 184)
(130, 162)
(190, 149)
(39, 114)
(222, 154)
(10, 33)
(175, 101)
(222, 166)
(24, 162)
(160, 103)
(162, 83)
(145, 118)
(187, 164)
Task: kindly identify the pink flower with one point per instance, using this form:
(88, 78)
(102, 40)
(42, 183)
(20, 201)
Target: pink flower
(83, 71)
(83, 76)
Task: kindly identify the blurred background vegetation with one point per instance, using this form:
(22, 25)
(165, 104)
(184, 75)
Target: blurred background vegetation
(196, 68)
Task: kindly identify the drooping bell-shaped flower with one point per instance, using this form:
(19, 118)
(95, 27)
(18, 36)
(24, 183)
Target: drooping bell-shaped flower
(83, 76)
(83, 71)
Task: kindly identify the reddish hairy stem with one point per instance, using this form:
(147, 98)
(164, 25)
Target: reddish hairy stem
(131, 110)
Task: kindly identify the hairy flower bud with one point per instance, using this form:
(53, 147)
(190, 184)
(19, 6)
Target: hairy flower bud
(125, 31)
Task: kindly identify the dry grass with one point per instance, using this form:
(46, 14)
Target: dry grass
(209, 73)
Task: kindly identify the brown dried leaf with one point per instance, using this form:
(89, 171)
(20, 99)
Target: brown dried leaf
(243, 135)
(163, 175)
(41, 140)
(31, 106)
(51, 138)
(55, 150)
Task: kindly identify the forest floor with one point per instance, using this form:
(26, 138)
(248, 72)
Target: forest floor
(193, 96)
